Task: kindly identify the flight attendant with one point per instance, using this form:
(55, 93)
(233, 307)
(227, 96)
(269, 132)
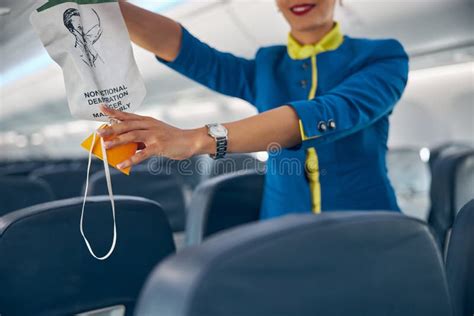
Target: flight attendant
(324, 99)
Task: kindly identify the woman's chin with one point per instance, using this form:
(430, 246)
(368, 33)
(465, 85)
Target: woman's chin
(305, 27)
(305, 23)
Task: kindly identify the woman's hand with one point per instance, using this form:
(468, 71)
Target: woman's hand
(154, 137)
(277, 127)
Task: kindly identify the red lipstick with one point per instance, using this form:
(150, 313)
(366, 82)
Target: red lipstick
(302, 9)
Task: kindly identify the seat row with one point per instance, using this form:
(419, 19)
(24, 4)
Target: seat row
(452, 186)
(407, 167)
(358, 263)
(239, 197)
(168, 182)
(365, 263)
(217, 205)
(38, 264)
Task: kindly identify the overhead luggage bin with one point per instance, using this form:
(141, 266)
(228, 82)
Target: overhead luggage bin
(46, 268)
(338, 263)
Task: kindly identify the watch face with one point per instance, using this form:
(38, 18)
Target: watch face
(218, 131)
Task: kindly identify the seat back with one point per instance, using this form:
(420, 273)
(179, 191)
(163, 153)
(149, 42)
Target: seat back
(20, 169)
(232, 163)
(223, 202)
(336, 263)
(65, 181)
(442, 150)
(164, 188)
(189, 170)
(444, 186)
(46, 268)
(464, 182)
(460, 262)
(21, 192)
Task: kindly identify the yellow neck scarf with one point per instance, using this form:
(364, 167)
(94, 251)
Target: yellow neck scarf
(330, 41)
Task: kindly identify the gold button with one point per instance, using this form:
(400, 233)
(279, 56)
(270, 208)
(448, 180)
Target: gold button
(303, 84)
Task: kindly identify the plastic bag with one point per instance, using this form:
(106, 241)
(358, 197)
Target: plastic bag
(90, 41)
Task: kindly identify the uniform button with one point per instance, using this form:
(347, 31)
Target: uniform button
(322, 127)
(304, 66)
(303, 84)
(332, 124)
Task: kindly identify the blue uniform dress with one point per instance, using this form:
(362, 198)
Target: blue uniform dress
(343, 90)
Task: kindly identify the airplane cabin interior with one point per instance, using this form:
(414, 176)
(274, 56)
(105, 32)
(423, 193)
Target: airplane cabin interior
(186, 237)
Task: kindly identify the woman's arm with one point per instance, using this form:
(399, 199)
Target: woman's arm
(154, 32)
(360, 100)
(357, 102)
(278, 127)
(186, 54)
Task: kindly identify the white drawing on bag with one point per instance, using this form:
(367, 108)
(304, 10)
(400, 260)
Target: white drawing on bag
(85, 40)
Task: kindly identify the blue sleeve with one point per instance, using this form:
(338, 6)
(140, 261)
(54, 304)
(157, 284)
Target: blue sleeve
(357, 102)
(221, 72)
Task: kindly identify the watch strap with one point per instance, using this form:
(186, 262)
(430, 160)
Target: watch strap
(221, 143)
(221, 148)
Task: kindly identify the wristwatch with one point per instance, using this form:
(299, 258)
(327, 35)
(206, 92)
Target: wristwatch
(219, 133)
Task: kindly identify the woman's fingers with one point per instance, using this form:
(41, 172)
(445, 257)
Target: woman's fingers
(123, 127)
(118, 115)
(127, 138)
(136, 159)
(141, 146)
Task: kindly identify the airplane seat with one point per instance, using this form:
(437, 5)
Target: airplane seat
(186, 170)
(464, 187)
(337, 263)
(410, 177)
(81, 164)
(440, 151)
(460, 261)
(224, 202)
(20, 169)
(444, 186)
(46, 268)
(210, 168)
(162, 187)
(20, 192)
(65, 181)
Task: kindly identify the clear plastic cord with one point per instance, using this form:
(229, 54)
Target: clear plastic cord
(111, 196)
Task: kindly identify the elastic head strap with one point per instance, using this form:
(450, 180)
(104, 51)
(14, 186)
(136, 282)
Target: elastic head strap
(111, 197)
